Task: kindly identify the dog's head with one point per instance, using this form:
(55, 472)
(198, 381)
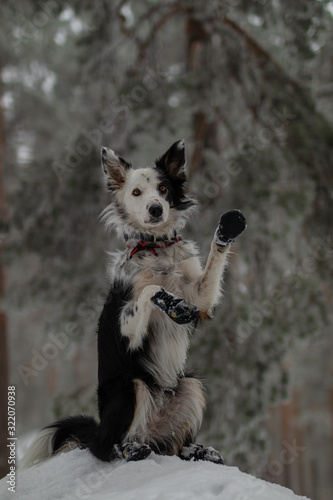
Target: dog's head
(151, 200)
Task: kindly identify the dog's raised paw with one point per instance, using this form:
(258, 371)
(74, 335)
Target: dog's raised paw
(183, 312)
(179, 310)
(231, 225)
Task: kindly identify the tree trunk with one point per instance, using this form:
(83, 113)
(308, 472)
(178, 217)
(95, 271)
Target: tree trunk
(204, 129)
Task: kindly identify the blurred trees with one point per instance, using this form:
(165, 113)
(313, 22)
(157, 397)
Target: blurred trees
(248, 84)
(4, 378)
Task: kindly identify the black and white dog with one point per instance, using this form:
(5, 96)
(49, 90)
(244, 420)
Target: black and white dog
(158, 292)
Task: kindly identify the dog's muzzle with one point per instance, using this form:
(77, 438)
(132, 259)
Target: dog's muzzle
(155, 210)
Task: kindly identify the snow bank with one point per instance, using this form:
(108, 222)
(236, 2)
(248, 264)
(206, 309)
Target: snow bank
(77, 475)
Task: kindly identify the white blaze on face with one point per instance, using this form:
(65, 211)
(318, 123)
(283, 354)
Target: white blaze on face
(139, 208)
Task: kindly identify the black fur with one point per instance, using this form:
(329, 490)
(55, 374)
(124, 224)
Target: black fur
(81, 429)
(117, 368)
(231, 224)
(179, 310)
(116, 397)
(171, 169)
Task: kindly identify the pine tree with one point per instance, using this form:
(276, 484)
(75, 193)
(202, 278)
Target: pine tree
(244, 83)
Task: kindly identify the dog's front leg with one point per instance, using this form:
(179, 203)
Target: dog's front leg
(209, 286)
(135, 316)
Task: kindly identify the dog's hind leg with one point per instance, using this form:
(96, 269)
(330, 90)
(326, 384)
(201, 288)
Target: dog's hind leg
(167, 420)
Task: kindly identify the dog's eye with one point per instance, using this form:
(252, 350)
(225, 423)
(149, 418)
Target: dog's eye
(162, 188)
(136, 192)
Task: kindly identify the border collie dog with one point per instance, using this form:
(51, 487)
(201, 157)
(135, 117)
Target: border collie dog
(159, 291)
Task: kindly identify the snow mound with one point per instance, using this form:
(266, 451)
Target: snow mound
(77, 475)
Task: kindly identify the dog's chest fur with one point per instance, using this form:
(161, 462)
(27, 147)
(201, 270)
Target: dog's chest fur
(177, 269)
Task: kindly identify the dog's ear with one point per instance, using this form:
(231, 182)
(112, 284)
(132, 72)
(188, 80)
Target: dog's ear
(173, 162)
(115, 168)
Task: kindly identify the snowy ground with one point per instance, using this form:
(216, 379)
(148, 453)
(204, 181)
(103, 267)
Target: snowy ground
(77, 475)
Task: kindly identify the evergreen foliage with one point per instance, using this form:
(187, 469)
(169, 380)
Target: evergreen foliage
(247, 84)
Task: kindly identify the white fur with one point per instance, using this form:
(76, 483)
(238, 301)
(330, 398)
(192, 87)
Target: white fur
(147, 182)
(135, 327)
(179, 271)
(167, 416)
(172, 410)
(39, 450)
(129, 214)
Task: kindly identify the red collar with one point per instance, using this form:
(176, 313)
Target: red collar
(150, 246)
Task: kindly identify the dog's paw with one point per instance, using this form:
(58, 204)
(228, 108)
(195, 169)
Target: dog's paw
(231, 225)
(162, 298)
(183, 312)
(198, 452)
(133, 452)
(179, 310)
(212, 455)
(116, 452)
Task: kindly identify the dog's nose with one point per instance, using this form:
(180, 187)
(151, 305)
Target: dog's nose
(155, 210)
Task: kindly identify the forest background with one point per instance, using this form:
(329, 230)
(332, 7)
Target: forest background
(249, 85)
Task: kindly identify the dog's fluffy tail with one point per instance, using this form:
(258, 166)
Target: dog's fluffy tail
(81, 430)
